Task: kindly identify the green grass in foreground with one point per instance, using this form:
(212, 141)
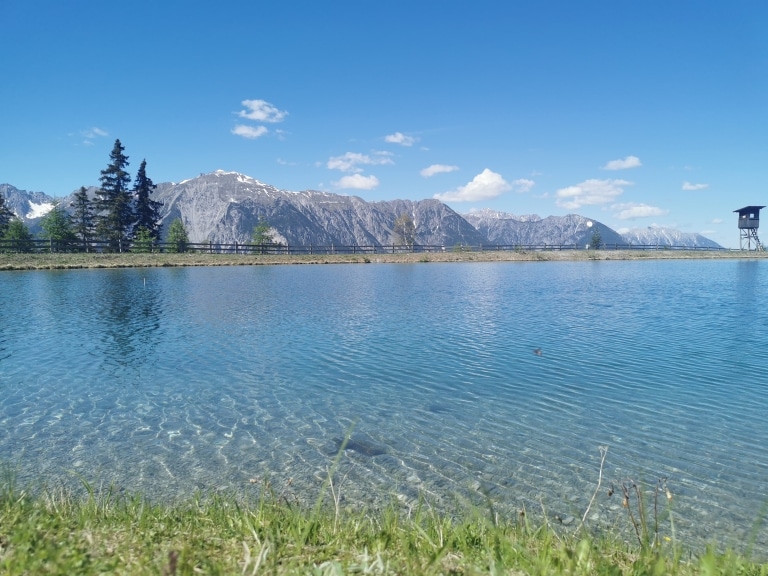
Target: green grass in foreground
(59, 533)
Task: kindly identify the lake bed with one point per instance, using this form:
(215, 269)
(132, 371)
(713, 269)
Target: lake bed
(168, 381)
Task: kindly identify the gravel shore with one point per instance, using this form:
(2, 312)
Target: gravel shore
(128, 260)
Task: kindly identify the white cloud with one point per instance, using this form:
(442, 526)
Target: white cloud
(357, 182)
(689, 186)
(623, 164)
(437, 169)
(94, 132)
(250, 132)
(522, 185)
(350, 161)
(633, 210)
(590, 193)
(262, 111)
(717, 221)
(484, 186)
(90, 134)
(400, 138)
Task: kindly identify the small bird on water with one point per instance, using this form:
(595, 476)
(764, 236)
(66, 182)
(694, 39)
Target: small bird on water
(537, 351)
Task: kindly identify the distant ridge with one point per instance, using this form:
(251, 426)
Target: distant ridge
(508, 229)
(668, 237)
(224, 207)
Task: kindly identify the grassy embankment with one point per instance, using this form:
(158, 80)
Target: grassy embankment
(129, 260)
(56, 532)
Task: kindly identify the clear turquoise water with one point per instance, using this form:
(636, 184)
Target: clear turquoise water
(171, 381)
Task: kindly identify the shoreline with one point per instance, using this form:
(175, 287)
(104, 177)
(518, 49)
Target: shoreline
(64, 533)
(71, 261)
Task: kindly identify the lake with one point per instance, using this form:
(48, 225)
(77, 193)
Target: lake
(173, 381)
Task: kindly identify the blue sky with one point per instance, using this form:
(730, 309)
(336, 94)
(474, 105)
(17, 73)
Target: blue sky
(632, 113)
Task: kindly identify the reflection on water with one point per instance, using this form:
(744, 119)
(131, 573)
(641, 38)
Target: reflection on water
(127, 310)
(169, 381)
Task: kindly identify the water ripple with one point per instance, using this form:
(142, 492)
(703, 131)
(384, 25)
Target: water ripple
(173, 381)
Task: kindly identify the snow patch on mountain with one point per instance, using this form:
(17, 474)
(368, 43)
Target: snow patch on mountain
(38, 210)
(487, 215)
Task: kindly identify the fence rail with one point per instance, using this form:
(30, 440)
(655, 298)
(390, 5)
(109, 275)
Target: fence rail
(49, 246)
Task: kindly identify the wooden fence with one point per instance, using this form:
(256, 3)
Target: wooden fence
(48, 246)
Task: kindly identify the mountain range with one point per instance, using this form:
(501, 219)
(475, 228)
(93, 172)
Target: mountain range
(224, 207)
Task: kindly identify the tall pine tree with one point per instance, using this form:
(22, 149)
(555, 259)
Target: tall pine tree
(83, 218)
(5, 215)
(147, 211)
(115, 216)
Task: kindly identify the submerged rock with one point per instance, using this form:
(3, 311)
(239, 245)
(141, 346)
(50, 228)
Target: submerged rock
(361, 444)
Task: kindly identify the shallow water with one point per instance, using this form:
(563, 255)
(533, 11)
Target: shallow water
(171, 381)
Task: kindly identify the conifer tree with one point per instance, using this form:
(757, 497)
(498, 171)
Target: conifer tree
(57, 227)
(143, 243)
(261, 233)
(597, 240)
(5, 215)
(114, 201)
(17, 236)
(177, 237)
(147, 211)
(83, 217)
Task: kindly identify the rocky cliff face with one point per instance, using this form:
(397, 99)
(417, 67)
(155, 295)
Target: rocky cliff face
(659, 236)
(225, 207)
(507, 229)
(29, 206)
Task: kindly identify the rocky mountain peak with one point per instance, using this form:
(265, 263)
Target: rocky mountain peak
(225, 207)
(659, 235)
(26, 205)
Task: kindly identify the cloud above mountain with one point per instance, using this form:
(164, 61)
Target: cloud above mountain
(623, 163)
(249, 132)
(400, 138)
(351, 161)
(262, 111)
(257, 111)
(430, 171)
(593, 192)
(484, 186)
(522, 185)
(634, 210)
(357, 182)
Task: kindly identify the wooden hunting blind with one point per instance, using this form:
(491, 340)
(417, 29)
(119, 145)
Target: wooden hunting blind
(749, 221)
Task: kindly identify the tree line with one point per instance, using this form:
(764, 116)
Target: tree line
(122, 218)
(119, 217)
